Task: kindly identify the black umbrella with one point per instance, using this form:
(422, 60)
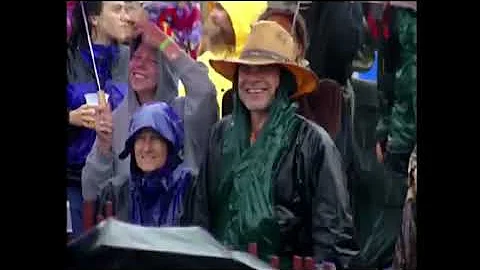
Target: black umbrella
(113, 244)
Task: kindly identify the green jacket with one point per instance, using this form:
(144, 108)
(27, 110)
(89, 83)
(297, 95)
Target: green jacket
(398, 87)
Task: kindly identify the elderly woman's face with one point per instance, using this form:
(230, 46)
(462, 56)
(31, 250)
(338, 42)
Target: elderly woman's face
(150, 150)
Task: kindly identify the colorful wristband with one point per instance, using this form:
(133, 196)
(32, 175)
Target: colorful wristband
(165, 44)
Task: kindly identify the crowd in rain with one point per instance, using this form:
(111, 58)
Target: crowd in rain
(289, 124)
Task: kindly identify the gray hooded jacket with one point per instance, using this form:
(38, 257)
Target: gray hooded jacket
(198, 110)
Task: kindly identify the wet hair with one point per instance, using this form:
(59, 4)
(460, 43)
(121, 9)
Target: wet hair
(301, 34)
(78, 37)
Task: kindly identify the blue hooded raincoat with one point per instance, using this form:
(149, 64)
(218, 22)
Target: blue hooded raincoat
(156, 198)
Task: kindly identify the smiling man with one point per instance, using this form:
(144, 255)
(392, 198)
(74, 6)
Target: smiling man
(271, 176)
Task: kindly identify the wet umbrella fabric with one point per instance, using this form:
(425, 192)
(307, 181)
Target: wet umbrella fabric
(113, 244)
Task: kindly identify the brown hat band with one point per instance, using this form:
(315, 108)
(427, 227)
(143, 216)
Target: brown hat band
(263, 54)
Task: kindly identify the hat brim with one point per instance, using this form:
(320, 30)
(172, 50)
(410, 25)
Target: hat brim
(306, 80)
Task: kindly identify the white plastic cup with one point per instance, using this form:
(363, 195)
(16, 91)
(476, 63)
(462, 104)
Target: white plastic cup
(92, 99)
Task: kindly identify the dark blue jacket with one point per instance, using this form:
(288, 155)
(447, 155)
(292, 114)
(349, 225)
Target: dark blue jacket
(112, 66)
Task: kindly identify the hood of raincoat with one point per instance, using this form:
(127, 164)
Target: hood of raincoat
(160, 117)
(156, 198)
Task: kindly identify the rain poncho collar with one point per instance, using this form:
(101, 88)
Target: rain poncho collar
(156, 198)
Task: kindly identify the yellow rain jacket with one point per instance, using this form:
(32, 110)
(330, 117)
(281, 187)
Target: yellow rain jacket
(242, 15)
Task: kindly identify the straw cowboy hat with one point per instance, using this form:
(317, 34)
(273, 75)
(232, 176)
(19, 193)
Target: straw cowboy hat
(268, 43)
